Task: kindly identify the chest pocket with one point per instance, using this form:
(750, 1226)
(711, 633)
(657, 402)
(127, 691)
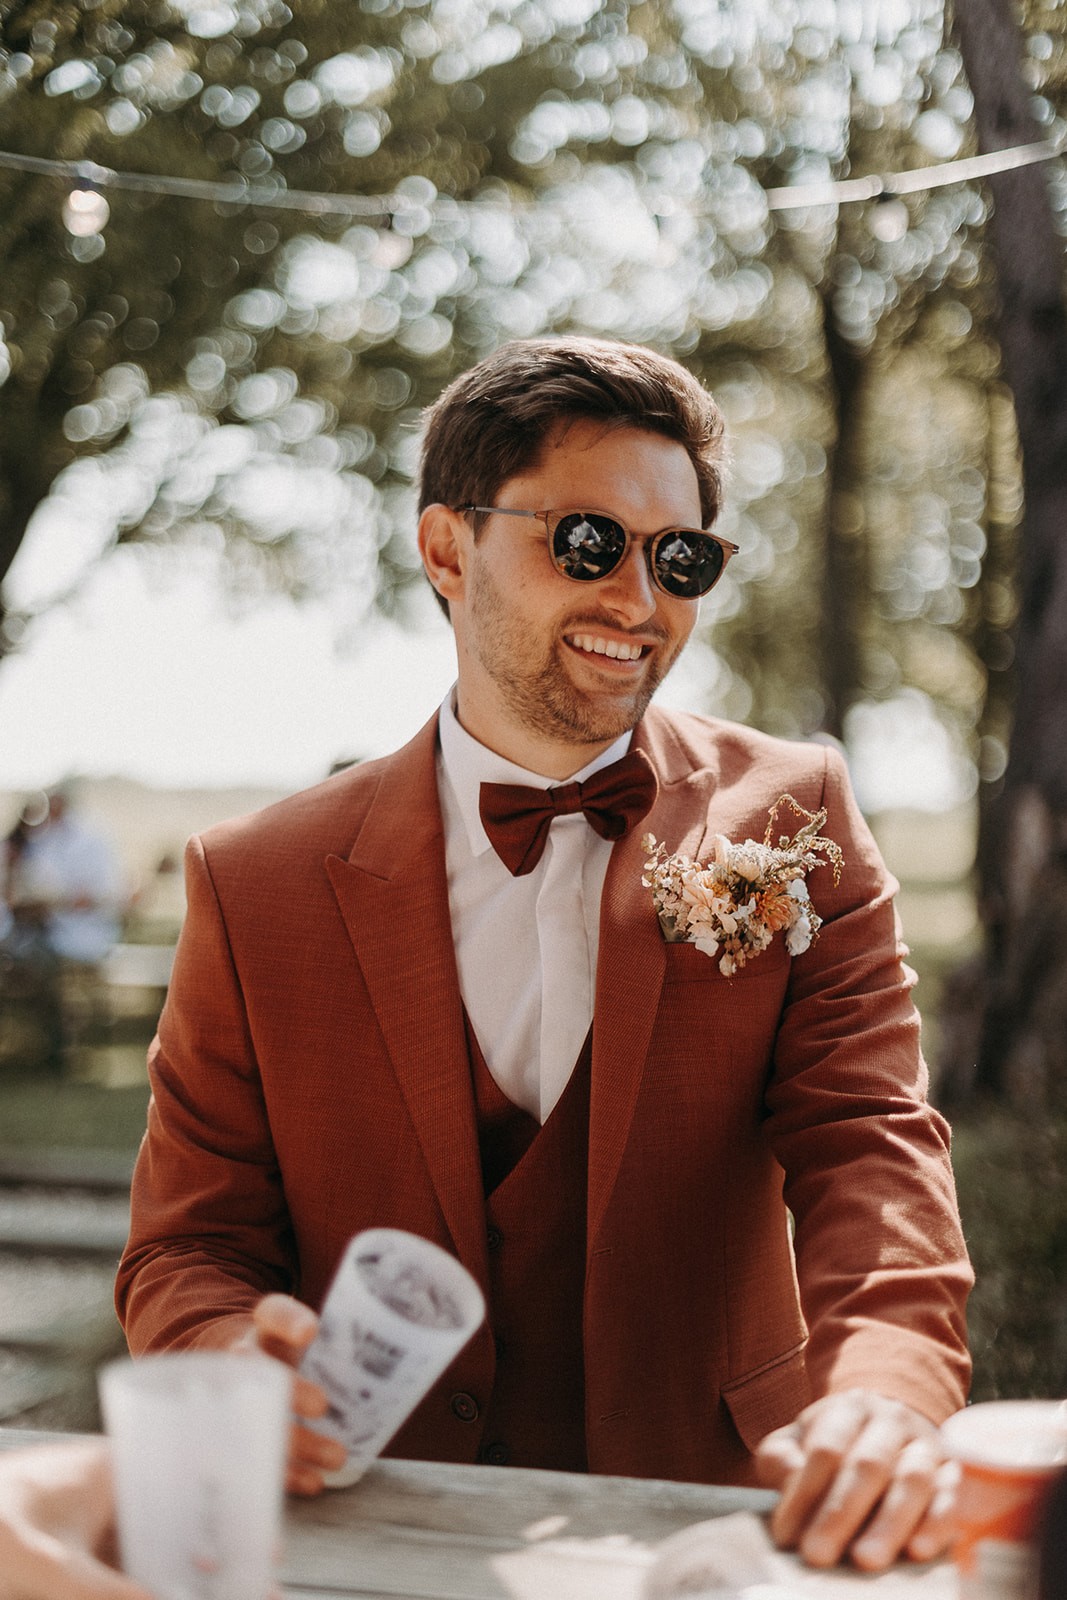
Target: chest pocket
(687, 964)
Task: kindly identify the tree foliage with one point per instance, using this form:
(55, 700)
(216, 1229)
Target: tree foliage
(247, 381)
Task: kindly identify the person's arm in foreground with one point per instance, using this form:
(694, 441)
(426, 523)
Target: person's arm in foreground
(57, 1525)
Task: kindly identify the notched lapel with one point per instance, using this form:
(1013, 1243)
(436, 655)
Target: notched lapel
(632, 962)
(393, 896)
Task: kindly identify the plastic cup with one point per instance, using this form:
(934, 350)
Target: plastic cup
(398, 1311)
(199, 1445)
(1010, 1453)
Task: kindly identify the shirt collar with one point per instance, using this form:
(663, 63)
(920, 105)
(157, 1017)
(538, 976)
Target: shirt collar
(467, 764)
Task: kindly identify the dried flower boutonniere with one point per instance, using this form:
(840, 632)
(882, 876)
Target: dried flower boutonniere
(734, 904)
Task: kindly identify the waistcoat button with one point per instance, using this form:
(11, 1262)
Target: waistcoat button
(465, 1407)
(494, 1238)
(496, 1455)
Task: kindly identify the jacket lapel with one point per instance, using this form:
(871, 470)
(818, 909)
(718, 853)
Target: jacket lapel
(393, 895)
(632, 957)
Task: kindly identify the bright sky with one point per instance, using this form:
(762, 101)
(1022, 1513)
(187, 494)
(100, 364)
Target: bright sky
(163, 686)
(146, 675)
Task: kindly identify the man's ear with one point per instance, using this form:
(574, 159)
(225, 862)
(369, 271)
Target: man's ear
(444, 537)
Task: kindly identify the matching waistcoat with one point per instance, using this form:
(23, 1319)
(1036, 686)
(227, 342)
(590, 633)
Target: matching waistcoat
(535, 1210)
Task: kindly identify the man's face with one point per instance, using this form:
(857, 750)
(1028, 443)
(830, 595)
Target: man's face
(551, 671)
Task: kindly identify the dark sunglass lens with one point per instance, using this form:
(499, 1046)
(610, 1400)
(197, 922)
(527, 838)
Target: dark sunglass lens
(587, 546)
(688, 564)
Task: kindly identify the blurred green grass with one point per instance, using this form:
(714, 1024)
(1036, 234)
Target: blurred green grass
(1011, 1175)
(39, 1113)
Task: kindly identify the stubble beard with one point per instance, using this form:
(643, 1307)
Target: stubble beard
(541, 695)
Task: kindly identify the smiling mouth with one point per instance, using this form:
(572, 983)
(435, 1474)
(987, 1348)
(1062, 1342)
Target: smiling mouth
(614, 649)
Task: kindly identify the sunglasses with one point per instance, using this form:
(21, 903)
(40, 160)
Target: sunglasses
(587, 545)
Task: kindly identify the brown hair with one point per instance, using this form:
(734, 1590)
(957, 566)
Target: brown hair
(492, 422)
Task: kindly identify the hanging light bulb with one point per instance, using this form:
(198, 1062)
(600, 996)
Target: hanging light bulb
(85, 212)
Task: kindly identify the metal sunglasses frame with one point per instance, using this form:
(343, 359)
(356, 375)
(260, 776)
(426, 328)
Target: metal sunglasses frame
(552, 520)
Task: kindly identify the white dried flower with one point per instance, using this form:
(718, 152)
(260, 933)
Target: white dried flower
(732, 906)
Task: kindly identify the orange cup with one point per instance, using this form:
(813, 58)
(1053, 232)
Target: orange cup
(1009, 1452)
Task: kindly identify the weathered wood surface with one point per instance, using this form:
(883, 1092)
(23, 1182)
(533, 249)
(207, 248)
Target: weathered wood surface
(416, 1530)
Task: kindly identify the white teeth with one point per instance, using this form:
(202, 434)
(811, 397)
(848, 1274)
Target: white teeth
(607, 647)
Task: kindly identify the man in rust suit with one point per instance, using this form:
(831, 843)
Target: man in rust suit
(392, 1007)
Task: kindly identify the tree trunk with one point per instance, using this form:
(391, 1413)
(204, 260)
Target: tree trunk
(1022, 857)
(33, 451)
(843, 579)
(18, 501)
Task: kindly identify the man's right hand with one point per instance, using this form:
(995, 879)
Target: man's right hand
(284, 1328)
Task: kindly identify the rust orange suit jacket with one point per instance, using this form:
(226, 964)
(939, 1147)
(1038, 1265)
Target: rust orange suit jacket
(310, 1078)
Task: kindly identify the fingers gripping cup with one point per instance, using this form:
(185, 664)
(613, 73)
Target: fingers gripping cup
(397, 1313)
(1010, 1453)
(199, 1443)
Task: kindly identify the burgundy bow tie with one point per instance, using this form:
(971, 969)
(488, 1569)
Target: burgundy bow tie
(517, 818)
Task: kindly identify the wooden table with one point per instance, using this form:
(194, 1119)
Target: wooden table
(415, 1530)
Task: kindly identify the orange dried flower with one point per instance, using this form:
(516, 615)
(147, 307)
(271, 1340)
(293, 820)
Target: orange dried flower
(775, 907)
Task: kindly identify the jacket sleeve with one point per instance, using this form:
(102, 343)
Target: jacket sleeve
(881, 1262)
(210, 1229)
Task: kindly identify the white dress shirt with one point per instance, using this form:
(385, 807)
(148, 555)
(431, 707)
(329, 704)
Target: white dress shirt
(526, 947)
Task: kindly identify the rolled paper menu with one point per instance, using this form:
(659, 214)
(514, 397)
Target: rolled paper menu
(1010, 1453)
(399, 1310)
(199, 1442)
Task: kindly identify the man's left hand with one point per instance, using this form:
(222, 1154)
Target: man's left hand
(861, 1476)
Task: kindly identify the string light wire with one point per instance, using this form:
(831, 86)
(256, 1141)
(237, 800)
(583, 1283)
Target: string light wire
(893, 185)
(229, 191)
(238, 191)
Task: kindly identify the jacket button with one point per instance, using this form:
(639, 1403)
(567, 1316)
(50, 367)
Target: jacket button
(494, 1238)
(465, 1407)
(496, 1455)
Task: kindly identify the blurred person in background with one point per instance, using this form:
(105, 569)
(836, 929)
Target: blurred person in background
(29, 968)
(63, 899)
(12, 848)
(157, 906)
